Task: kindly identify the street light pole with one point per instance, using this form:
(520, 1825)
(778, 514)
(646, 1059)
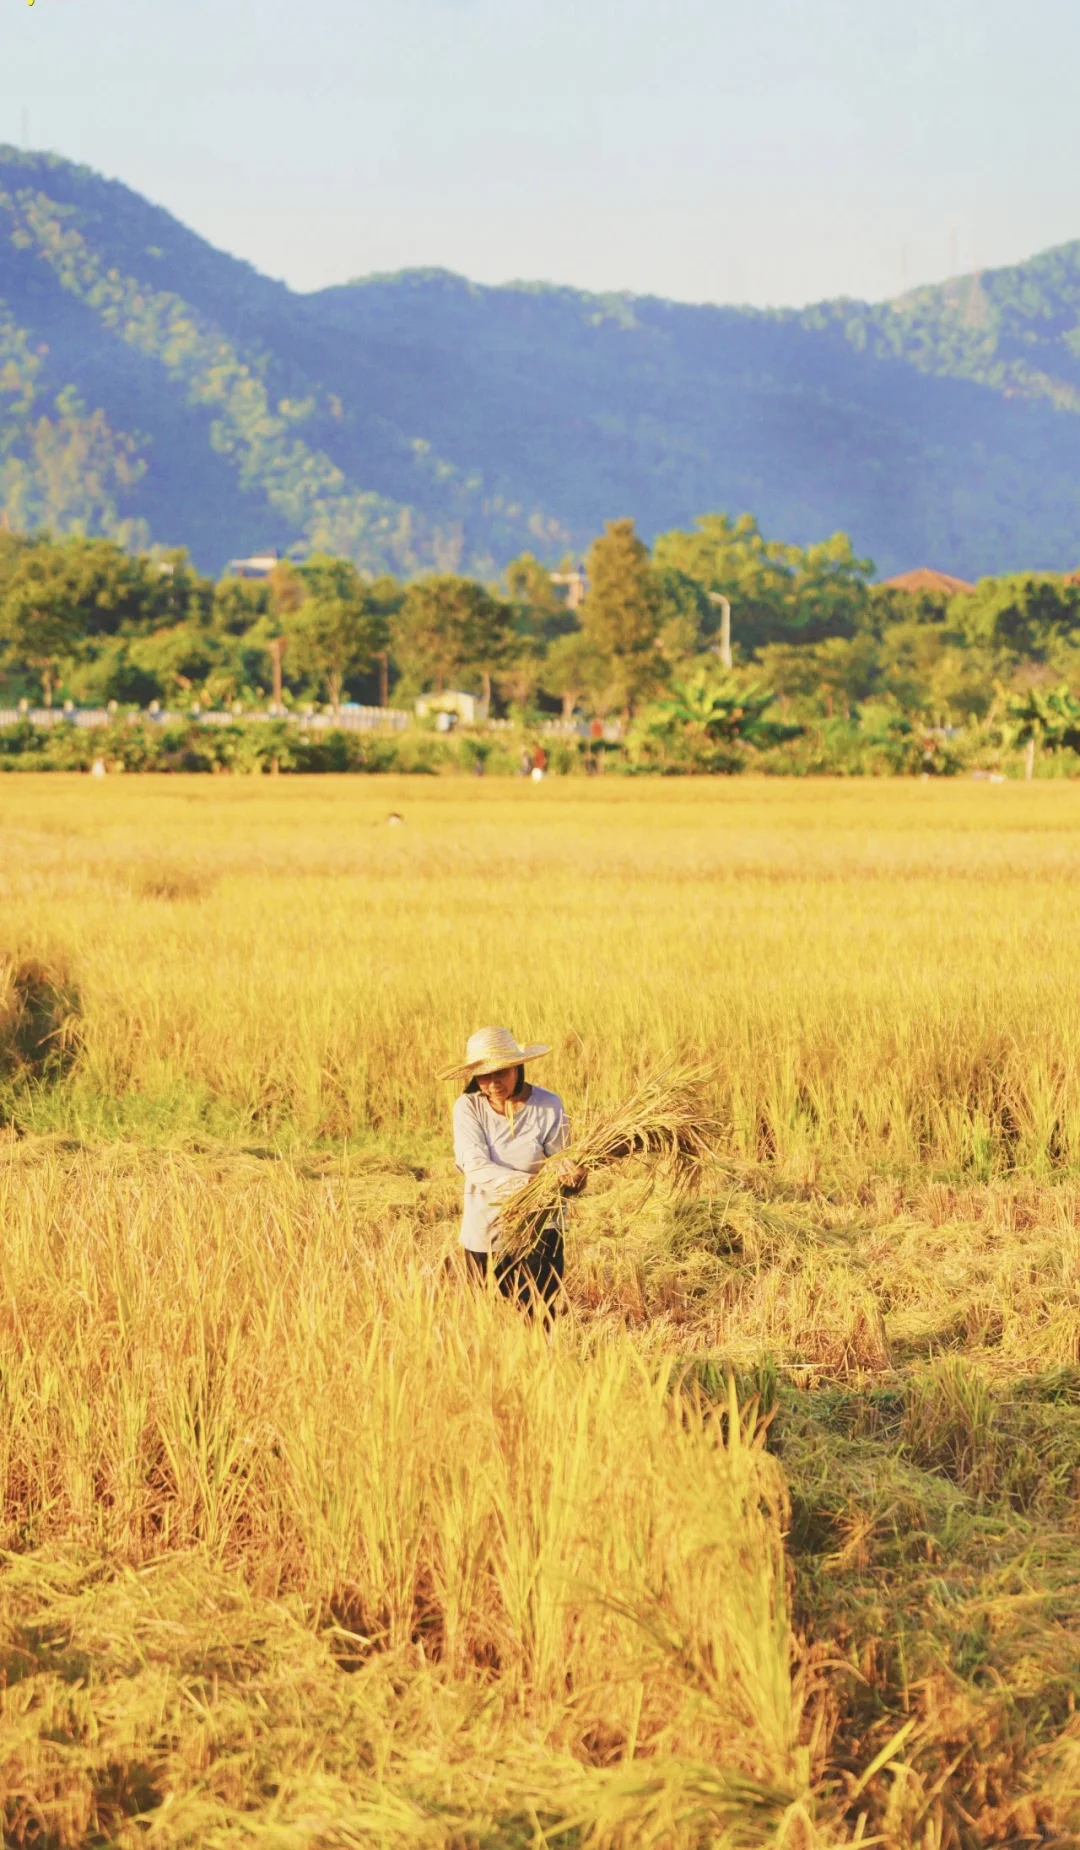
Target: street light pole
(717, 597)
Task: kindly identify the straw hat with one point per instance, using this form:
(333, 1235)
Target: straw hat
(490, 1050)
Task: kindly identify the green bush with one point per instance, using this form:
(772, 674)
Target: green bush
(878, 742)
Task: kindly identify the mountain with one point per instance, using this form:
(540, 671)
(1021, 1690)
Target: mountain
(153, 387)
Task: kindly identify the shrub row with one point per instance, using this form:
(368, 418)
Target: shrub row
(837, 748)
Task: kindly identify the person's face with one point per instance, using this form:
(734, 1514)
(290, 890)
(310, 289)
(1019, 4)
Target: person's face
(498, 1087)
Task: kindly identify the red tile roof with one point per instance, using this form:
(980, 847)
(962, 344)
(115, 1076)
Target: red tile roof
(924, 578)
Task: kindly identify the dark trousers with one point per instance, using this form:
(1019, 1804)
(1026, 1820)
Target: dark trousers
(534, 1282)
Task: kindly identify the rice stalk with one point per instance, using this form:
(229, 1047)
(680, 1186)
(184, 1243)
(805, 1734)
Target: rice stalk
(666, 1123)
(242, 1395)
(39, 1019)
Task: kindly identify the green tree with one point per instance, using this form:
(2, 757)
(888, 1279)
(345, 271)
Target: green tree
(540, 613)
(778, 592)
(108, 596)
(40, 617)
(106, 672)
(385, 597)
(116, 599)
(286, 592)
(493, 642)
(113, 592)
(620, 615)
(574, 672)
(326, 575)
(177, 593)
(13, 549)
(823, 677)
(888, 605)
(520, 669)
(450, 628)
(336, 637)
(1026, 616)
(185, 660)
(540, 618)
(685, 616)
(239, 604)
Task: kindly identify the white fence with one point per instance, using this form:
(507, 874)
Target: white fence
(350, 719)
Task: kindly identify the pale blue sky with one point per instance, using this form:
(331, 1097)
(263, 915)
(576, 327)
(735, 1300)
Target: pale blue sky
(771, 151)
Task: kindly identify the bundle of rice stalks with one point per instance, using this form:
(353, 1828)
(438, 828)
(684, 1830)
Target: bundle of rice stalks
(39, 1020)
(667, 1123)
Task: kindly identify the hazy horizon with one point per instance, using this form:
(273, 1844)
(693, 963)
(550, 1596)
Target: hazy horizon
(687, 151)
(538, 281)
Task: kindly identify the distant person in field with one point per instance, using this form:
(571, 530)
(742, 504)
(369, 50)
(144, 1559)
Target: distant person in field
(504, 1129)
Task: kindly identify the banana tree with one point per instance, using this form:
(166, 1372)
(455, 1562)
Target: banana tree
(1042, 716)
(706, 718)
(723, 710)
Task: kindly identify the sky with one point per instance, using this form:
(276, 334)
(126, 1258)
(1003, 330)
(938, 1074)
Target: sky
(753, 151)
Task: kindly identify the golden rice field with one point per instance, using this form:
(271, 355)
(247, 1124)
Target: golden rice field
(773, 1541)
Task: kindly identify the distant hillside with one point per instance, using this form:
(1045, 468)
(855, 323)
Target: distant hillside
(153, 387)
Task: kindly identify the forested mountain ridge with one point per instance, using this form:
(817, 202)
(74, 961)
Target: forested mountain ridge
(1015, 329)
(155, 388)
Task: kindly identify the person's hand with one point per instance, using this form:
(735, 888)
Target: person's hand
(572, 1177)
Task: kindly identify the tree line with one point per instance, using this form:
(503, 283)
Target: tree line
(818, 647)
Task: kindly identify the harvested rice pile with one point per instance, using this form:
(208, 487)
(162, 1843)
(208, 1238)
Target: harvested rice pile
(667, 1123)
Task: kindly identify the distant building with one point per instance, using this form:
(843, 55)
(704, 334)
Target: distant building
(470, 709)
(260, 566)
(924, 578)
(576, 585)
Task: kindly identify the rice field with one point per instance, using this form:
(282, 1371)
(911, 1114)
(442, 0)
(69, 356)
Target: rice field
(772, 1541)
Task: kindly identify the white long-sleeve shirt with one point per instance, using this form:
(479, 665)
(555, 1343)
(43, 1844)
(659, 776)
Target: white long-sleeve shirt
(497, 1159)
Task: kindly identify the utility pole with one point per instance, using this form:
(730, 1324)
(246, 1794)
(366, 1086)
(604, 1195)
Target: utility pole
(276, 652)
(717, 597)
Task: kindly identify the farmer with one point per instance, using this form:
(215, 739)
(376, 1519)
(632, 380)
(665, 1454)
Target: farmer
(504, 1128)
